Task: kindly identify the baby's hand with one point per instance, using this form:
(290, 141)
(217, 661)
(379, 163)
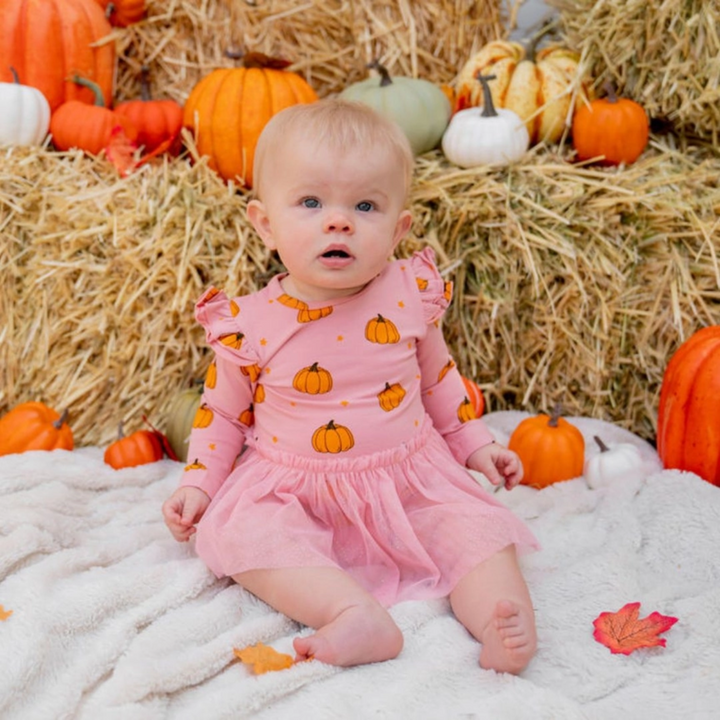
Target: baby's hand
(498, 464)
(183, 509)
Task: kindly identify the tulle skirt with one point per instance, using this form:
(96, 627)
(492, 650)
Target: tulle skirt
(407, 522)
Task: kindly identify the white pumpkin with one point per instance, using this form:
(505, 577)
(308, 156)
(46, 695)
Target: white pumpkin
(24, 114)
(485, 136)
(611, 462)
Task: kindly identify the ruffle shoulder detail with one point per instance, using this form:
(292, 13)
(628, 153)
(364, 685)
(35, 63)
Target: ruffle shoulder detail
(222, 318)
(435, 292)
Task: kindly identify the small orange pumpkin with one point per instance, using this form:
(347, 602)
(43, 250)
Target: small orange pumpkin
(313, 380)
(138, 448)
(87, 127)
(158, 122)
(247, 416)
(228, 109)
(332, 438)
(211, 376)
(475, 395)
(259, 394)
(551, 449)
(232, 340)
(122, 13)
(203, 417)
(466, 411)
(307, 314)
(615, 128)
(381, 330)
(688, 425)
(252, 371)
(391, 396)
(34, 426)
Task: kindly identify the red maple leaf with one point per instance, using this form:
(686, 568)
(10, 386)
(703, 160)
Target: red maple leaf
(623, 632)
(120, 151)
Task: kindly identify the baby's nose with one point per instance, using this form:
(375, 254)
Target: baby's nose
(337, 222)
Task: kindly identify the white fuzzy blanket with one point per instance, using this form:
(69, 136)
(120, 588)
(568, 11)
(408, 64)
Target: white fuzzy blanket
(113, 619)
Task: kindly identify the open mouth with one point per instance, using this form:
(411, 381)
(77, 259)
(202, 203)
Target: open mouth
(336, 254)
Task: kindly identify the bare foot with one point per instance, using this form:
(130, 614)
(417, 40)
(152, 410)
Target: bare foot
(508, 641)
(360, 634)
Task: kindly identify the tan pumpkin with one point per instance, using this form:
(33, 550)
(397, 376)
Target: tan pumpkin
(539, 86)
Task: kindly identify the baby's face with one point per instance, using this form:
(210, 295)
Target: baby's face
(334, 218)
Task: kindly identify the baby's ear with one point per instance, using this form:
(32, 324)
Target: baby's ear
(402, 227)
(257, 214)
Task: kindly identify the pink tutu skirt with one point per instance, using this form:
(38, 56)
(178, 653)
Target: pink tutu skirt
(407, 523)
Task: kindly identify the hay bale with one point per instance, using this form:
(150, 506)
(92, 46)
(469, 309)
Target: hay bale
(329, 42)
(665, 56)
(572, 283)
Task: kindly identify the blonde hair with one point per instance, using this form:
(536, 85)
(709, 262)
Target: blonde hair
(340, 124)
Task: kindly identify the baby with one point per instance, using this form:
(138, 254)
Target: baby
(353, 492)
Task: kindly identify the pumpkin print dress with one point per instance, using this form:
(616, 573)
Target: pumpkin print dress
(356, 430)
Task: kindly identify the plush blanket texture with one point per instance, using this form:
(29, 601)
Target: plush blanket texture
(111, 618)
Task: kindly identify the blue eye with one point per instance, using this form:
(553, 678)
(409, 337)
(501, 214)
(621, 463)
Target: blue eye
(311, 202)
(364, 206)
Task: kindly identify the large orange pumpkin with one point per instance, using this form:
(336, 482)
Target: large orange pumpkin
(48, 40)
(228, 109)
(538, 86)
(34, 426)
(688, 429)
(551, 449)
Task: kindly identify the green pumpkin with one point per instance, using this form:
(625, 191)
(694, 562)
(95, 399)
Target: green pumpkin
(180, 416)
(420, 108)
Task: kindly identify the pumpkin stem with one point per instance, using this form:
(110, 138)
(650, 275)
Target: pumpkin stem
(488, 106)
(16, 79)
(61, 420)
(610, 90)
(546, 27)
(99, 99)
(314, 367)
(109, 10)
(121, 432)
(384, 74)
(555, 416)
(257, 60)
(145, 83)
(603, 447)
(330, 425)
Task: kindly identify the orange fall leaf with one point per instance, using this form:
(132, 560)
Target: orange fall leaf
(623, 631)
(5, 614)
(120, 151)
(263, 658)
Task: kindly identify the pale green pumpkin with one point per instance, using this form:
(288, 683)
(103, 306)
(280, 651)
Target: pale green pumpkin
(420, 108)
(180, 416)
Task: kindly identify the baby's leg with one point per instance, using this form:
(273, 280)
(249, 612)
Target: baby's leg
(352, 627)
(493, 603)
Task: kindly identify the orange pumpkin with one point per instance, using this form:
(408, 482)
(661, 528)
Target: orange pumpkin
(232, 340)
(247, 416)
(475, 396)
(203, 417)
(45, 40)
(122, 13)
(381, 330)
(88, 127)
(228, 109)
(466, 411)
(211, 376)
(391, 396)
(138, 448)
(446, 368)
(332, 438)
(615, 128)
(158, 122)
(252, 371)
(551, 449)
(34, 426)
(259, 394)
(688, 426)
(307, 314)
(313, 380)
(537, 86)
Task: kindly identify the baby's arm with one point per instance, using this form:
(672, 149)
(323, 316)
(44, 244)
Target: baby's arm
(183, 509)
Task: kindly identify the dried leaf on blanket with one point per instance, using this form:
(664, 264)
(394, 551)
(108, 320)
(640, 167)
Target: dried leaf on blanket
(623, 632)
(4, 614)
(263, 658)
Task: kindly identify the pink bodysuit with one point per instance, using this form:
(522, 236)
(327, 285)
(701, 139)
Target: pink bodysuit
(356, 431)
